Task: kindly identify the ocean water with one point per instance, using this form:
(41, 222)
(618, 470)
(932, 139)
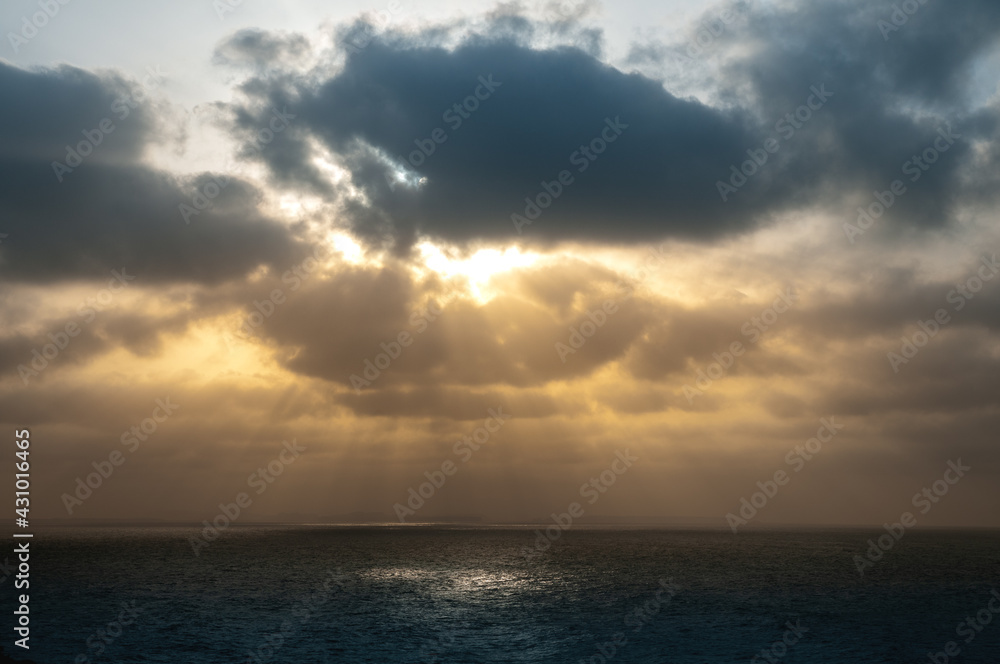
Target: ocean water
(315, 594)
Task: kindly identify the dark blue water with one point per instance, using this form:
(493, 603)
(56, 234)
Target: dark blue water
(399, 594)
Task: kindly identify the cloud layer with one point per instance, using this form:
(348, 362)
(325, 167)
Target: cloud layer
(679, 281)
(805, 121)
(78, 199)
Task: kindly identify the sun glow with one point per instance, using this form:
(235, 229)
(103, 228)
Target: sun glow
(477, 269)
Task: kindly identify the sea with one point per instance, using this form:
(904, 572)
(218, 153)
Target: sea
(437, 594)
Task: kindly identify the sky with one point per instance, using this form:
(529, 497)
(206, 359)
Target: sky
(731, 264)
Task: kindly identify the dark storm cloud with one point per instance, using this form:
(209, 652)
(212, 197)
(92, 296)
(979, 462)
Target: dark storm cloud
(892, 95)
(105, 210)
(537, 109)
(887, 100)
(46, 110)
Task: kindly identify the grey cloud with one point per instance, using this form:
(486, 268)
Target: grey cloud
(656, 178)
(111, 210)
(659, 178)
(261, 49)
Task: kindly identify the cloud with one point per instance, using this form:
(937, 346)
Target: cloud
(891, 97)
(539, 112)
(109, 210)
(261, 49)
(358, 112)
(454, 341)
(377, 111)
